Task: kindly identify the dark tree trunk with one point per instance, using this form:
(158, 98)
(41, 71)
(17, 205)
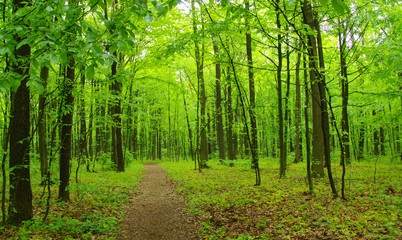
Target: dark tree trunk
(229, 119)
(376, 140)
(382, 141)
(117, 88)
(318, 84)
(190, 133)
(281, 132)
(20, 201)
(43, 154)
(318, 143)
(324, 113)
(83, 151)
(66, 130)
(362, 134)
(345, 154)
(298, 137)
(287, 137)
(254, 140)
(306, 125)
(219, 120)
(199, 59)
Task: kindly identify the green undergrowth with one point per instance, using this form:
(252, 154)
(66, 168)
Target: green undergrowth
(97, 205)
(229, 206)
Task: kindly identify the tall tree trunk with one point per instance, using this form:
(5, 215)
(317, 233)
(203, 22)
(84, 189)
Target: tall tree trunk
(199, 58)
(20, 201)
(281, 132)
(298, 137)
(376, 140)
(306, 126)
(324, 112)
(287, 119)
(382, 141)
(362, 135)
(253, 121)
(42, 134)
(219, 120)
(190, 133)
(117, 89)
(318, 143)
(229, 119)
(83, 151)
(66, 130)
(345, 154)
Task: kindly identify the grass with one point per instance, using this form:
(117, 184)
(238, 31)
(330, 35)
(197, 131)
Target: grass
(96, 207)
(231, 207)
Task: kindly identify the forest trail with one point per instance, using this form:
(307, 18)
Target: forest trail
(157, 211)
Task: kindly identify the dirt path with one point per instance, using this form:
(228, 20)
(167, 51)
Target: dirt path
(156, 212)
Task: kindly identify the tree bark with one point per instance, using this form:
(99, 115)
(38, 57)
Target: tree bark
(229, 119)
(117, 89)
(83, 151)
(376, 140)
(42, 134)
(201, 95)
(318, 136)
(298, 137)
(20, 201)
(306, 126)
(345, 154)
(219, 120)
(66, 130)
(253, 121)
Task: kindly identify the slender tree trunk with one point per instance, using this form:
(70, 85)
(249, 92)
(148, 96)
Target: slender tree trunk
(66, 130)
(298, 137)
(83, 151)
(306, 126)
(20, 201)
(382, 141)
(229, 119)
(324, 114)
(376, 140)
(281, 137)
(345, 155)
(287, 120)
(253, 121)
(219, 120)
(42, 134)
(201, 95)
(190, 133)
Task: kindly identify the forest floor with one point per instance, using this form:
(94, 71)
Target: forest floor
(157, 210)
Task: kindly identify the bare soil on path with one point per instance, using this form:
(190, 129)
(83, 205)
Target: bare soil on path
(157, 211)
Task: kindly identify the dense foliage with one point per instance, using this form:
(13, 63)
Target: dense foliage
(91, 84)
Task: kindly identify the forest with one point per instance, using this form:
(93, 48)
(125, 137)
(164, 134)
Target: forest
(263, 119)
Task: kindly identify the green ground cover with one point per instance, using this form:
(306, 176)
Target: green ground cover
(231, 207)
(96, 207)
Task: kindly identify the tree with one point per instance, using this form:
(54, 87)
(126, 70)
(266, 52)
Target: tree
(318, 143)
(20, 202)
(219, 120)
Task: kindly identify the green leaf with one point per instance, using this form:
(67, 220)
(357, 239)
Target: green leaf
(340, 6)
(49, 8)
(324, 2)
(90, 72)
(290, 2)
(159, 8)
(53, 58)
(149, 18)
(23, 42)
